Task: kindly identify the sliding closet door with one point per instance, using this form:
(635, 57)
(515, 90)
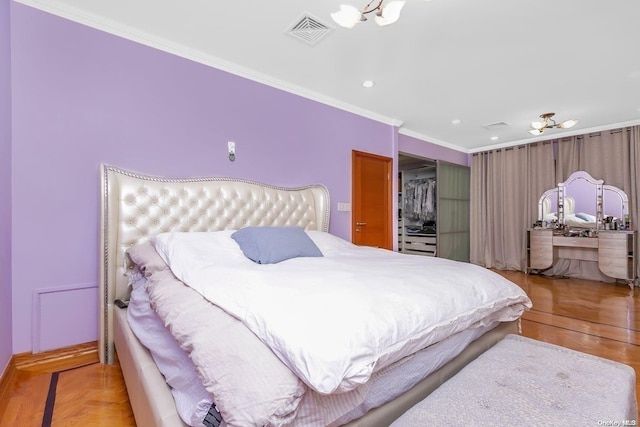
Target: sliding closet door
(453, 211)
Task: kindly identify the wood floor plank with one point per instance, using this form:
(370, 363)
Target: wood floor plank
(103, 394)
(615, 333)
(27, 396)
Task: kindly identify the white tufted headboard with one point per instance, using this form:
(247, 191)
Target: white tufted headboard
(135, 207)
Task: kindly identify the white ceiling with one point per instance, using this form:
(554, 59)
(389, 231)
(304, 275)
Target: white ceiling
(482, 62)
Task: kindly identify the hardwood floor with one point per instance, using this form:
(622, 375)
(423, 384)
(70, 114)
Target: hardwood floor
(58, 389)
(592, 317)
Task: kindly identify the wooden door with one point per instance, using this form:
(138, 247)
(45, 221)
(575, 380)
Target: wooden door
(371, 200)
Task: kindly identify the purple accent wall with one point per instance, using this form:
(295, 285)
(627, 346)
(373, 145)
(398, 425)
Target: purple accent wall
(5, 187)
(410, 145)
(82, 97)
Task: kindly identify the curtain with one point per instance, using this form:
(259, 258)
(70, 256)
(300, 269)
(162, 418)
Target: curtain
(605, 156)
(568, 158)
(506, 185)
(542, 175)
(478, 207)
(634, 184)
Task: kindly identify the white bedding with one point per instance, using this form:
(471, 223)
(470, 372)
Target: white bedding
(337, 319)
(315, 410)
(191, 398)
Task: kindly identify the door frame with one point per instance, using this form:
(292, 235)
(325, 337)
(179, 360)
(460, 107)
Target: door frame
(355, 186)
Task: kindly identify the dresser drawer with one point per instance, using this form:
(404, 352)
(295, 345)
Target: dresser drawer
(576, 242)
(420, 239)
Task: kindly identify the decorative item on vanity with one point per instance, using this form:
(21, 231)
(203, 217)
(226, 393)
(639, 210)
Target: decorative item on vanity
(538, 127)
(591, 224)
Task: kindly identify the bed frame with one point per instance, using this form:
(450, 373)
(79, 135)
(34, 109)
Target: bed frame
(135, 207)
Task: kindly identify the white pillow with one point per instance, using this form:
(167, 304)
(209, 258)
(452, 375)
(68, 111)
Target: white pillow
(328, 243)
(199, 248)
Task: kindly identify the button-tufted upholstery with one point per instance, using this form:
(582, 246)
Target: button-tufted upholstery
(135, 207)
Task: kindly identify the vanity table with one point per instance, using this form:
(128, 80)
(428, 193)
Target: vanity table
(587, 220)
(614, 251)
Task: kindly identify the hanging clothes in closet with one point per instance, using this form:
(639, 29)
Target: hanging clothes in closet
(420, 199)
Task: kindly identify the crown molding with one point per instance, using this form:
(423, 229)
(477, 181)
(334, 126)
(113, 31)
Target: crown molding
(556, 135)
(431, 140)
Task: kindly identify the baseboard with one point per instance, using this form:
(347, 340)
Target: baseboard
(56, 360)
(6, 379)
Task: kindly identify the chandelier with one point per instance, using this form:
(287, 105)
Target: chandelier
(349, 16)
(538, 128)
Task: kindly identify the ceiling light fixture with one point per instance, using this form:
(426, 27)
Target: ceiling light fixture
(349, 16)
(538, 128)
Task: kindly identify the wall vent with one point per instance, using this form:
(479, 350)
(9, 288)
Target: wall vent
(309, 29)
(496, 125)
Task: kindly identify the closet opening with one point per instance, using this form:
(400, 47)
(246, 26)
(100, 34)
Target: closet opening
(433, 208)
(417, 215)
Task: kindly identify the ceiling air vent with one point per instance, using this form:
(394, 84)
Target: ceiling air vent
(496, 125)
(309, 29)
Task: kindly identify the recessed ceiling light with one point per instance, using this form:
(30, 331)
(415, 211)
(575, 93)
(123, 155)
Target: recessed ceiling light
(456, 121)
(368, 83)
(494, 138)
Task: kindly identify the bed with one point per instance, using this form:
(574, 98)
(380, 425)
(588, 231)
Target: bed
(136, 209)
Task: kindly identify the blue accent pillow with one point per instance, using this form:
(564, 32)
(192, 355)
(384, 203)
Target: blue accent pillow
(270, 245)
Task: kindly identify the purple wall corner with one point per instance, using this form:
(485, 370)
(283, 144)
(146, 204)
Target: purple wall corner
(5, 186)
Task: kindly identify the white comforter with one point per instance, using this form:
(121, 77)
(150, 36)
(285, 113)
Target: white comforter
(337, 319)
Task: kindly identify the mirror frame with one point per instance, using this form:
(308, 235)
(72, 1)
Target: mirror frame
(547, 194)
(623, 198)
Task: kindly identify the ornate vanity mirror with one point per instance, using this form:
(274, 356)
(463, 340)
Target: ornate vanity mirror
(583, 202)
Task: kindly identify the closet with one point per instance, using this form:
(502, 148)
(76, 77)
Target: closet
(418, 231)
(433, 214)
